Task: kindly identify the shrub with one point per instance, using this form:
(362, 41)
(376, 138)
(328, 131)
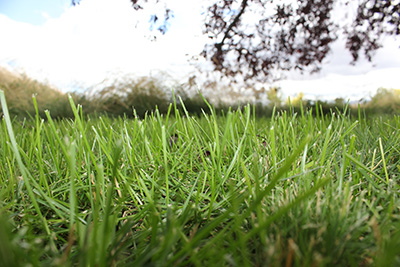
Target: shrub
(384, 101)
(19, 89)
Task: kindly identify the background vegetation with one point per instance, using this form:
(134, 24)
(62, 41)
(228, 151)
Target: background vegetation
(144, 94)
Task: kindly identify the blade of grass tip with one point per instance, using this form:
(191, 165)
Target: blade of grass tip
(322, 115)
(303, 119)
(38, 145)
(303, 159)
(185, 209)
(383, 161)
(365, 168)
(48, 201)
(19, 160)
(105, 234)
(373, 160)
(273, 114)
(324, 149)
(286, 208)
(205, 231)
(100, 186)
(72, 191)
(239, 148)
(345, 162)
(273, 146)
(317, 111)
(287, 164)
(216, 135)
(205, 101)
(228, 124)
(231, 213)
(164, 146)
(346, 107)
(54, 130)
(82, 130)
(176, 110)
(359, 112)
(168, 114)
(350, 129)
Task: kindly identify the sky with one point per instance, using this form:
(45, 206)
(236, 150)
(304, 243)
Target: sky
(34, 12)
(78, 47)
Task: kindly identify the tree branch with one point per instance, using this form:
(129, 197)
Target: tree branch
(234, 22)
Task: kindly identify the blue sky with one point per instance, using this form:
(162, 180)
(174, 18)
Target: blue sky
(72, 47)
(35, 12)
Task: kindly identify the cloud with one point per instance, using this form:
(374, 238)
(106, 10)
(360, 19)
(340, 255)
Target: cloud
(338, 78)
(353, 87)
(99, 38)
(94, 39)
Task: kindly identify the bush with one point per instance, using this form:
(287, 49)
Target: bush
(120, 96)
(19, 89)
(384, 101)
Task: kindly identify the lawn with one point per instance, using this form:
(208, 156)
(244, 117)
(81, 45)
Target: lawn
(229, 189)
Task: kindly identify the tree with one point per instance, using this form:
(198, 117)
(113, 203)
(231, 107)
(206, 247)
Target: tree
(252, 38)
(292, 34)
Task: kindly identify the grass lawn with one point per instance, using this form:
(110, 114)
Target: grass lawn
(217, 190)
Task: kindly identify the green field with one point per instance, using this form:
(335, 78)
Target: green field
(229, 189)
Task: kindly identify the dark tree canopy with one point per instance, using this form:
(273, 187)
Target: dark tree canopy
(252, 38)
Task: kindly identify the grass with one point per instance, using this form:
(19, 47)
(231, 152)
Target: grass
(214, 190)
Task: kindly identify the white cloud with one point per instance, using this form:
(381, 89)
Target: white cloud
(98, 38)
(94, 39)
(338, 78)
(353, 87)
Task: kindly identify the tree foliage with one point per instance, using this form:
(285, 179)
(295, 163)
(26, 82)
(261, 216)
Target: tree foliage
(252, 38)
(261, 36)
